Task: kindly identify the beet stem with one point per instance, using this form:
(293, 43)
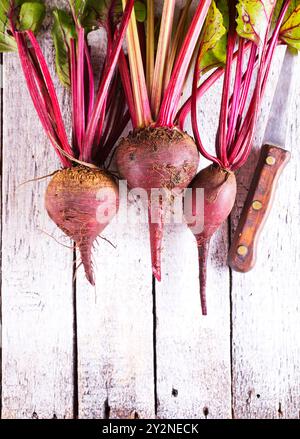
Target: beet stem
(100, 102)
(169, 106)
(80, 90)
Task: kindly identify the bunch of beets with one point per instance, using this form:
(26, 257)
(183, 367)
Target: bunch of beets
(148, 57)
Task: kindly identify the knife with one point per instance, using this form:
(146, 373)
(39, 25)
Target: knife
(272, 160)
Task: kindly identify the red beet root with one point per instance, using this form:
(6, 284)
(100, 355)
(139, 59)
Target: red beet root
(82, 201)
(161, 158)
(219, 195)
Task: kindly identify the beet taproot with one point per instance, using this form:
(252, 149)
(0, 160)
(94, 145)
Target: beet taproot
(81, 201)
(157, 158)
(219, 187)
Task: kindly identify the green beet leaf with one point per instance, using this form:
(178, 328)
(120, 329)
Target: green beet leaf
(62, 31)
(140, 10)
(90, 13)
(279, 3)
(290, 30)
(27, 16)
(253, 19)
(214, 37)
(32, 15)
(7, 42)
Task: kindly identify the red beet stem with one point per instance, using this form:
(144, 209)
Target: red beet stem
(204, 87)
(114, 136)
(224, 111)
(125, 78)
(236, 95)
(80, 89)
(169, 106)
(38, 101)
(201, 90)
(195, 121)
(73, 75)
(51, 89)
(105, 83)
(91, 82)
(203, 249)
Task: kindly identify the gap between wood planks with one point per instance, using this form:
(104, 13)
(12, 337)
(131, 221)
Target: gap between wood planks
(154, 345)
(229, 223)
(75, 340)
(1, 148)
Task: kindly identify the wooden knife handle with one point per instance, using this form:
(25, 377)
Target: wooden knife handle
(242, 254)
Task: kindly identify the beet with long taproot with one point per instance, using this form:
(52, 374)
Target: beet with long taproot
(157, 158)
(219, 187)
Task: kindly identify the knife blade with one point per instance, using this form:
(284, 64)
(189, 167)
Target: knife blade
(277, 125)
(273, 158)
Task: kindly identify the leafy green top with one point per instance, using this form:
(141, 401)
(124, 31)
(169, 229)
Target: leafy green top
(290, 30)
(253, 20)
(27, 15)
(214, 37)
(62, 31)
(90, 13)
(254, 17)
(87, 14)
(7, 42)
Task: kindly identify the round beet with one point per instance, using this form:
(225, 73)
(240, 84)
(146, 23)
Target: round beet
(82, 201)
(157, 158)
(219, 195)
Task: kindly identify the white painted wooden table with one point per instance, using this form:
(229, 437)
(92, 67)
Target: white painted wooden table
(128, 348)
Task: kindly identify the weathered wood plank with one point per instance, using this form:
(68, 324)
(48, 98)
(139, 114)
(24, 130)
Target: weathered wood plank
(266, 319)
(115, 344)
(1, 145)
(37, 308)
(193, 352)
(115, 322)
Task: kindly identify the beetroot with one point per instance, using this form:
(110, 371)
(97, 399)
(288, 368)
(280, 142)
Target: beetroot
(239, 108)
(160, 158)
(219, 195)
(73, 198)
(157, 154)
(81, 200)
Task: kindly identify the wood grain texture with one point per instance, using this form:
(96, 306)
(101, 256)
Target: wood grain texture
(193, 351)
(118, 344)
(265, 315)
(37, 308)
(114, 319)
(115, 328)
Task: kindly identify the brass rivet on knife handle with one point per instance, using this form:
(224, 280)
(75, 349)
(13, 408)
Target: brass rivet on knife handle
(242, 250)
(257, 205)
(270, 160)
(242, 254)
